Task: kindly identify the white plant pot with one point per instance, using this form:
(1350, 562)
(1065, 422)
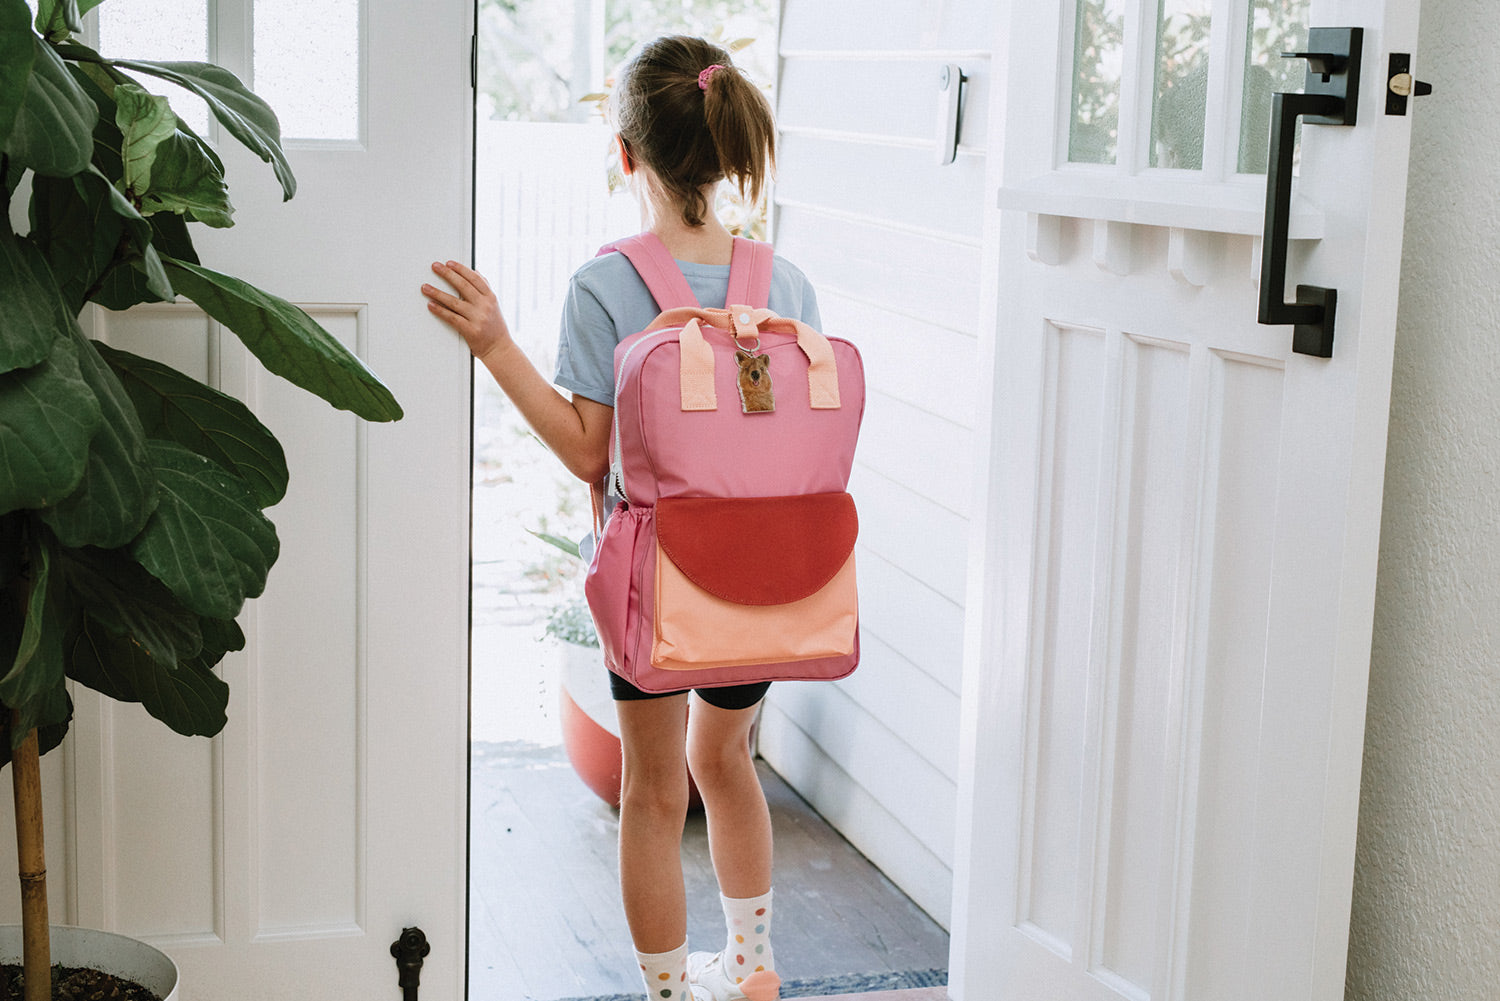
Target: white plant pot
(585, 679)
(117, 955)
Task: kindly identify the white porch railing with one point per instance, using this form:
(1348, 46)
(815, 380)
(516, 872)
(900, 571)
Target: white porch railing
(542, 207)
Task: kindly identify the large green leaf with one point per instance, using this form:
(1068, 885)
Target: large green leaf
(244, 115)
(16, 59)
(89, 231)
(220, 636)
(33, 316)
(150, 265)
(287, 341)
(99, 80)
(143, 235)
(118, 490)
(94, 79)
(13, 174)
(48, 415)
(54, 128)
(178, 408)
(144, 120)
(123, 286)
(33, 685)
(207, 541)
(48, 735)
(185, 696)
(186, 173)
(57, 19)
(172, 238)
(203, 144)
(12, 529)
(184, 179)
(79, 237)
(121, 596)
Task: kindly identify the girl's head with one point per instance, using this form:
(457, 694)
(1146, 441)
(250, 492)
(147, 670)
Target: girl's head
(691, 124)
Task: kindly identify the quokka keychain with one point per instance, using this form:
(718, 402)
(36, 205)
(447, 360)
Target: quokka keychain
(756, 394)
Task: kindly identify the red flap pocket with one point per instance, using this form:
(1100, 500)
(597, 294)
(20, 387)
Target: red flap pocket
(758, 550)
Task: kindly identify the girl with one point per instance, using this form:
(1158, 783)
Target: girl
(686, 119)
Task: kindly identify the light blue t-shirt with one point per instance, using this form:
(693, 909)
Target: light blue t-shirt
(607, 302)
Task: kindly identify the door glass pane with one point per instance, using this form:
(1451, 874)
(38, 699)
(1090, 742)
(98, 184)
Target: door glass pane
(160, 30)
(1180, 100)
(1098, 57)
(307, 66)
(1276, 26)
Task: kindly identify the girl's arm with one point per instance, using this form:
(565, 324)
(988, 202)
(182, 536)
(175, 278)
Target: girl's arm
(577, 429)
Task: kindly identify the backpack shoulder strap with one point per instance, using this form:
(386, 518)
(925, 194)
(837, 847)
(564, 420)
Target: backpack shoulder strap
(654, 264)
(749, 274)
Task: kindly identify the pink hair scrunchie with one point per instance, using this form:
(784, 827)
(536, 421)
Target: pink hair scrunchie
(708, 72)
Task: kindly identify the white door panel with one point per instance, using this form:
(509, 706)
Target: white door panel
(1173, 581)
(282, 858)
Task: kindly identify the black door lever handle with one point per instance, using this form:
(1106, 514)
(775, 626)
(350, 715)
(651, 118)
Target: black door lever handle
(1331, 98)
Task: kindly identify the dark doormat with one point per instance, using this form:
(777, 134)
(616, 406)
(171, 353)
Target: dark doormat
(852, 983)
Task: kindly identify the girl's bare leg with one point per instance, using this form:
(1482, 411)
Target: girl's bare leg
(739, 823)
(653, 809)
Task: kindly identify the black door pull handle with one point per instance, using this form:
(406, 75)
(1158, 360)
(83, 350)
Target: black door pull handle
(1330, 97)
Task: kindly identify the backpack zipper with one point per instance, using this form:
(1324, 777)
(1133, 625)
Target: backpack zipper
(616, 481)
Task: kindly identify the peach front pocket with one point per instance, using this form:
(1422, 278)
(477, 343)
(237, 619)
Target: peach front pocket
(761, 580)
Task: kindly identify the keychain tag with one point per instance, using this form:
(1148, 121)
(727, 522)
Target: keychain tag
(756, 394)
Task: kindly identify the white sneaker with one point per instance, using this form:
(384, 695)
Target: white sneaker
(706, 970)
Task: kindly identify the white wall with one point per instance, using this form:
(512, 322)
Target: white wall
(892, 243)
(1426, 918)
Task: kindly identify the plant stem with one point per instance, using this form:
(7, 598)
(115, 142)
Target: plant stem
(26, 781)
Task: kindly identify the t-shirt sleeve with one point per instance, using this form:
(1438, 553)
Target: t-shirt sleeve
(810, 306)
(586, 346)
(792, 294)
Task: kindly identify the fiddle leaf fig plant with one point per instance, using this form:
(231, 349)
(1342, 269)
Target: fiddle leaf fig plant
(131, 494)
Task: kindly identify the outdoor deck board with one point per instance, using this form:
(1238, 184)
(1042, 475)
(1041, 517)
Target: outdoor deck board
(546, 920)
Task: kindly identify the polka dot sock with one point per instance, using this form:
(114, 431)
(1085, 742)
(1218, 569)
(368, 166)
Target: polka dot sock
(749, 947)
(665, 974)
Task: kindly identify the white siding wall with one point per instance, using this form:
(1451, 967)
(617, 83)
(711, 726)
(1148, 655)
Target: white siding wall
(892, 242)
(1426, 916)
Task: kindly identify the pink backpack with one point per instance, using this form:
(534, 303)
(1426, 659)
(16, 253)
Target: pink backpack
(731, 559)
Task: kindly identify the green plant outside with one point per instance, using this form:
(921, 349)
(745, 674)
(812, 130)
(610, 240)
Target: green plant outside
(131, 495)
(571, 621)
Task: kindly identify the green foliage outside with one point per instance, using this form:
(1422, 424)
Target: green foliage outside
(131, 495)
(1276, 26)
(539, 57)
(1180, 102)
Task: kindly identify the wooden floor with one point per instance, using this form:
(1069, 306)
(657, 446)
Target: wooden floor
(544, 911)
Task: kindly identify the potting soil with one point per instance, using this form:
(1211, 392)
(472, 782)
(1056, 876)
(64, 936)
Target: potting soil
(75, 984)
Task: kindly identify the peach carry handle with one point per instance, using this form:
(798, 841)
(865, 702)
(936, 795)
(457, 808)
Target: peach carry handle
(696, 374)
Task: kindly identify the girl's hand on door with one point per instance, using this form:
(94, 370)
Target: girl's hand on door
(474, 313)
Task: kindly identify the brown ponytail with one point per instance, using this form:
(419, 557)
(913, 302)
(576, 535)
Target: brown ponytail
(691, 136)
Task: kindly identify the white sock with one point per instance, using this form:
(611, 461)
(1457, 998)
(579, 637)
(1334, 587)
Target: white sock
(748, 949)
(665, 974)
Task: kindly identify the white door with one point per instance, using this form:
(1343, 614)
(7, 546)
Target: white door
(1174, 576)
(283, 858)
